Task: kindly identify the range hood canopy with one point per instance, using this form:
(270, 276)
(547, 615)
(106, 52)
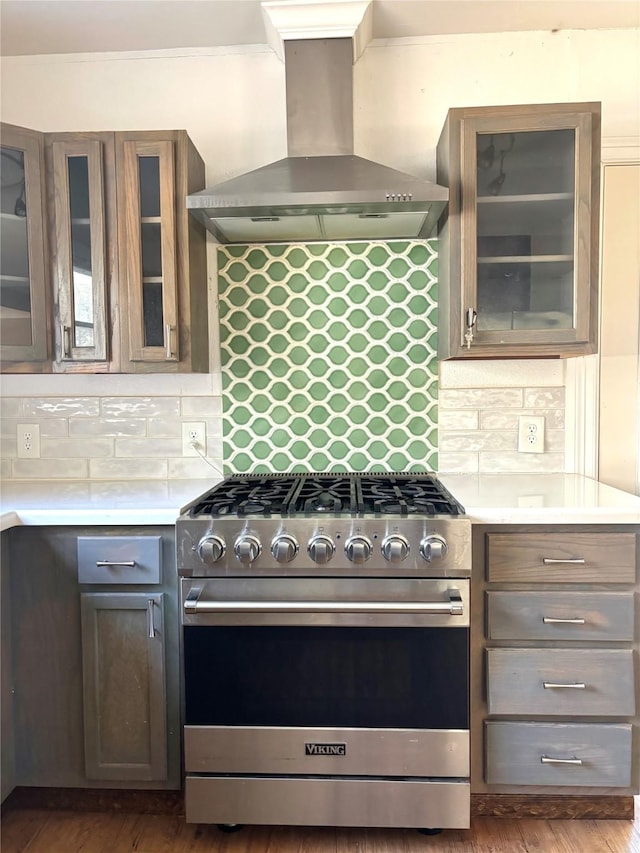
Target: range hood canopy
(321, 191)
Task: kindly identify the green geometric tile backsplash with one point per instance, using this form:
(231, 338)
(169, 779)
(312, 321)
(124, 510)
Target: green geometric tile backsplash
(329, 356)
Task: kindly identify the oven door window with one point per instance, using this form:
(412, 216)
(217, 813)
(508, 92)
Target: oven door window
(327, 676)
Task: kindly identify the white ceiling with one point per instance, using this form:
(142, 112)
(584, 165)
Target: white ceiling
(72, 26)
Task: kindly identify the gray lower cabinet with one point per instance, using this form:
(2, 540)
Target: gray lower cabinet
(7, 771)
(123, 676)
(96, 698)
(555, 670)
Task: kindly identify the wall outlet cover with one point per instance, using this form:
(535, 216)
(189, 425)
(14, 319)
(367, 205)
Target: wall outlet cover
(194, 432)
(28, 440)
(530, 434)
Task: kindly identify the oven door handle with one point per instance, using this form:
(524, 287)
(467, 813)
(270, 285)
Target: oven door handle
(453, 606)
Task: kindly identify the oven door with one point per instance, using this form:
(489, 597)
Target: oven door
(347, 677)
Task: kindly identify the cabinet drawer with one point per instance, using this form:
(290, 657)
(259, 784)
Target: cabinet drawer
(602, 682)
(557, 754)
(560, 616)
(561, 557)
(119, 559)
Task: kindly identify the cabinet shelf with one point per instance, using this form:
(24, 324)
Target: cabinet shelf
(526, 259)
(526, 198)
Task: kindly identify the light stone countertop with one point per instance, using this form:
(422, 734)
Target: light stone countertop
(487, 498)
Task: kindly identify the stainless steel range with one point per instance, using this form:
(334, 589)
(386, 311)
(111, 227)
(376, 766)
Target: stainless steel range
(326, 651)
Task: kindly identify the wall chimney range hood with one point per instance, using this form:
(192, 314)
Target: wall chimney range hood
(321, 191)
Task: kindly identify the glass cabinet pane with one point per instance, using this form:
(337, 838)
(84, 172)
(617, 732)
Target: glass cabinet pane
(151, 250)
(525, 184)
(15, 284)
(82, 284)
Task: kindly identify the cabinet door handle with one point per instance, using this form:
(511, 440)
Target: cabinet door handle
(152, 630)
(65, 332)
(551, 620)
(101, 563)
(553, 685)
(545, 759)
(550, 561)
(167, 333)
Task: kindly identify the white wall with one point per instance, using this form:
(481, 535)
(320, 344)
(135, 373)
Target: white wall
(232, 103)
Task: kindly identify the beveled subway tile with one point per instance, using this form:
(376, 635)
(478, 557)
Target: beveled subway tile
(507, 419)
(456, 419)
(52, 427)
(5, 468)
(50, 469)
(153, 448)
(521, 463)
(123, 469)
(187, 467)
(199, 408)
(10, 407)
(61, 407)
(108, 427)
(544, 398)
(457, 463)
(478, 440)
(140, 407)
(480, 398)
(508, 373)
(74, 448)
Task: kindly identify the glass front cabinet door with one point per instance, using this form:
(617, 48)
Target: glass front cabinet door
(79, 168)
(23, 277)
(519, 244)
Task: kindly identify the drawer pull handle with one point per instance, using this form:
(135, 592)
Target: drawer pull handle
(545, 759)
(150, 625)
(553, 685)
(551, 561)
(101, 563)
(551, 620)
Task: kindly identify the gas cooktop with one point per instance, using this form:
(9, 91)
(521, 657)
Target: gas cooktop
(290, 495)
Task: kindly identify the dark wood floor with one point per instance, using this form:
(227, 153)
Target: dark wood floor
(38, 831)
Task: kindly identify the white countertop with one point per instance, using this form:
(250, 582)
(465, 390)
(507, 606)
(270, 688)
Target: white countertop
(487, 498)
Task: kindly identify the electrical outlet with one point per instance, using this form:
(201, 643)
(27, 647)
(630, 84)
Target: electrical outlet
(28, 437)
(194, 433)
(530, 434)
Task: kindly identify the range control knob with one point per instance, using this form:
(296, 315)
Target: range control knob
(395, 548)
(433, 548)
(284, 548)
(211, 549)
(321, 549)
(358, 549)
(247, 548)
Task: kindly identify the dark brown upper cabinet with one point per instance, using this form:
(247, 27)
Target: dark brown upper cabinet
(122, 279)
(24, 314)
(518, 269)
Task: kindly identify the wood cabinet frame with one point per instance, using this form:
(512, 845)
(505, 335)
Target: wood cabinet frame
(456, 157)
(20, 359)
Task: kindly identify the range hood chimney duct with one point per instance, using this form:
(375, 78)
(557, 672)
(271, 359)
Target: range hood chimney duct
(321, 191)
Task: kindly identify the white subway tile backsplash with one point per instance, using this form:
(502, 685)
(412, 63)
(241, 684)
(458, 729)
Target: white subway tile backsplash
(505, 419)
(60, 407)
(74, 448)
(10, 407)
(108, 427)
(140, 407)
(188, 468)
(454, 419)
(477, 440)
(124, 469)
(501, 373)
(458, 463)
(548, 398)
(521, 463)
(49, 469)
(480, 398)
(201, 407)
(157, 447)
